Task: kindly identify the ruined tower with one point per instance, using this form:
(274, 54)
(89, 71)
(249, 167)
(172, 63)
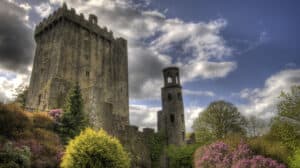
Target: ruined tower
(71, 49)
(171, 119)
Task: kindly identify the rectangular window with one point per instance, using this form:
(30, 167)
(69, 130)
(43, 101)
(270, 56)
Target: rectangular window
(172, 118)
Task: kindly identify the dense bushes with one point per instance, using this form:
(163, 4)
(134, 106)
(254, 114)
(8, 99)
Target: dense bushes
(181, 156)
(220, 155)
(14, 157)
(95, 150)
(13, 121)
(270, 148)
(33, 130)
(42, 120)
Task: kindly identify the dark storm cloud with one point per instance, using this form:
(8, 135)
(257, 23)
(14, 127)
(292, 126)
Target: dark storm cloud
(16, 38)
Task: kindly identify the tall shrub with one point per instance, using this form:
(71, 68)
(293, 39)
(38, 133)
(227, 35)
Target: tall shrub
(95, 150)
(73, 119)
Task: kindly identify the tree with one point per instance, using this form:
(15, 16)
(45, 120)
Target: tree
(256, 126)
(217, 120)
(286, 125)
(21, 95)
(95, 150)
(73, 119)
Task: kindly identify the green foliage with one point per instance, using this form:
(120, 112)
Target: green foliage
(13, 157)
(73, 119)
(285, 133)
(156, 146)
(270, 148)
(203, 136)
(234, 139)
(13, 120)
(95, 150)
(295, 159)
(21, 96)
(286, 126)
(217, 120)
(181, 156)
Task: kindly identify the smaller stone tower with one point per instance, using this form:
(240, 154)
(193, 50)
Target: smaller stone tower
(171, 119)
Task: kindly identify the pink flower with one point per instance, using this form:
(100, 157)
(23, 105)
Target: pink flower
(218, 155)
(55, 113)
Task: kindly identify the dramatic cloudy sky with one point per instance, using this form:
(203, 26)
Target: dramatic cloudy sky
(245, 52)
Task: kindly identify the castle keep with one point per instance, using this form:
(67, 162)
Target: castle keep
(71, 49)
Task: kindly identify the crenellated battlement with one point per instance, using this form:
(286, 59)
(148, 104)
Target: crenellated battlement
(64, 13)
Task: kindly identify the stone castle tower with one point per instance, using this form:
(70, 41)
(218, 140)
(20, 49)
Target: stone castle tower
(71, 49)
(171, 119)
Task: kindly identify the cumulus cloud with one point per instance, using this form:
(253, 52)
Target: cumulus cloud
(152, 37)
(262, 101)
(44, 9)
(9, 83)
(16, 38)
(143, 116)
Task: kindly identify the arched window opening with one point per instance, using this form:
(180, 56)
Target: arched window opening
(183, 135)
(169, 80)
(87, 73)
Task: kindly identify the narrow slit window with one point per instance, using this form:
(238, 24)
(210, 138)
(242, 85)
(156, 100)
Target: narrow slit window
(179, 96)
(172, 118)
(169, 96)
(39, 100)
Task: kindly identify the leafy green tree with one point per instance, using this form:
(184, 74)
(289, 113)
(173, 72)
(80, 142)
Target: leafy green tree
(73, 119)
(295, 159)
(95, 150)
(217, 120)
(286, 125)
(13, 157)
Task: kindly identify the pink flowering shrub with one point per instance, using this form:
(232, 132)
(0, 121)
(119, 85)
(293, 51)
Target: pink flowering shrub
(216, 154)
(219, 155)
(56, 114)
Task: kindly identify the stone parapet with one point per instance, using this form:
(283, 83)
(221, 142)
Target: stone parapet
(64, 13)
